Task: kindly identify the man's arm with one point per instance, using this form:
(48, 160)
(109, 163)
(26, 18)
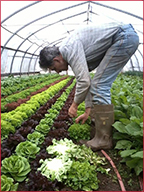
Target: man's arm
(74, 54)
(73, 110)
(84, 116)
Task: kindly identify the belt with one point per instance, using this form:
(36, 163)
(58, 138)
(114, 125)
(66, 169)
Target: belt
(125, 27)
(122, 30)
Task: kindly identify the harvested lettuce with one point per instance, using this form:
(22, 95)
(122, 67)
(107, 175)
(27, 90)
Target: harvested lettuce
(62, 147)
(54, 168)
(75, 165)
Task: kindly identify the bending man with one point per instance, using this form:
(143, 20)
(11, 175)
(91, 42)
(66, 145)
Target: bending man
(106, 48)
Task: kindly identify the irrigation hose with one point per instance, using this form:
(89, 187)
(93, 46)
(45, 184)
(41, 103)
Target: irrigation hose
(115, 169)
(141, 183)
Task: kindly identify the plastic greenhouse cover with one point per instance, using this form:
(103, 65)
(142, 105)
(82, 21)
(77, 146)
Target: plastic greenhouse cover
(49, 22)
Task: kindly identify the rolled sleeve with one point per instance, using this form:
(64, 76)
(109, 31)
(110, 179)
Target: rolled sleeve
(88, 100)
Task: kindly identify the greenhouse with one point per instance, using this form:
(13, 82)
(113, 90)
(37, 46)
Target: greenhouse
(71, 97)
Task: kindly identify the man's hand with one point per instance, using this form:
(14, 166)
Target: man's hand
(73, 110)
(84, 116)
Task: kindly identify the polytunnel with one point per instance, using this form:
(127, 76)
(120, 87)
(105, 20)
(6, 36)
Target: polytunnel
(61, 132)
(28, 26)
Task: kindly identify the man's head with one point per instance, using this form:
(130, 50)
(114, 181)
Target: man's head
(50, 58)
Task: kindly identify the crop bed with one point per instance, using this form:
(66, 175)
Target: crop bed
(40, 148)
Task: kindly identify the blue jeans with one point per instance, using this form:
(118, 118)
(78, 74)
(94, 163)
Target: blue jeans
(125, 43)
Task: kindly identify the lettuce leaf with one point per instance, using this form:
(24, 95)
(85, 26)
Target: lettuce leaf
(16, 166)
(54, 168)
(7, 184)
(27, 149)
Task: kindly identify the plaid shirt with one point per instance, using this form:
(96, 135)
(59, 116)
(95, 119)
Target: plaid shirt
(83, 50)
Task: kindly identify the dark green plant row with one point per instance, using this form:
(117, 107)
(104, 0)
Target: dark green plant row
(12, 85)
(46, 123)
(12, 120)
(134, 73)
(127, 97)
(25, 93)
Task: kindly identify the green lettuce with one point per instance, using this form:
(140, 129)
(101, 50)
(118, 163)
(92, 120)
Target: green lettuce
(36, 138)
(79, 131)
(62, 147)
(82, 176)
(6, 128)
(16, 166)
(54, 168)
(75, 165)
(27, 149)
(7, 184)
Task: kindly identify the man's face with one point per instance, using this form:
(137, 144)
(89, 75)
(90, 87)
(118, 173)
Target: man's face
(59, 65)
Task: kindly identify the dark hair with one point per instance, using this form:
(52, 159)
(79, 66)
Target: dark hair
(47, 54)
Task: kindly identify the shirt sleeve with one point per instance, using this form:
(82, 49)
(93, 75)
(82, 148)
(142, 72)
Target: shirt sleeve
(74, 54)
(88, 100)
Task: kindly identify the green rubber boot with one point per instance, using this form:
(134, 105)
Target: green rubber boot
(104, 118)
(92, 116)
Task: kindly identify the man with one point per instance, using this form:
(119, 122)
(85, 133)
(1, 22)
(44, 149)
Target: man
(107, 48)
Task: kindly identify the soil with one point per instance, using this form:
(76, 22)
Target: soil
(110, 182)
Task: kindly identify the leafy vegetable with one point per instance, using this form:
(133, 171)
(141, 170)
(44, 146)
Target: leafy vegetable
(43, 128)
(7, 184)
(17, 116)
(136, 164)
(16, 166)
(74, 165)
(36, 138)
(82, 176)
(127, 96)
(12, 84)
(46, 123)
(62, 147)
(6, 128)
(37, 182)
(66, 149)
(27, 149)
(79, 131)
(54, 168)
(24, 93)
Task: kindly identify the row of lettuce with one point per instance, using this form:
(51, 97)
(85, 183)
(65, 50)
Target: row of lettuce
(11, 85)
(70, 162)
(13, 119)
(127, 97)
(40, 83)
(16, 167)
